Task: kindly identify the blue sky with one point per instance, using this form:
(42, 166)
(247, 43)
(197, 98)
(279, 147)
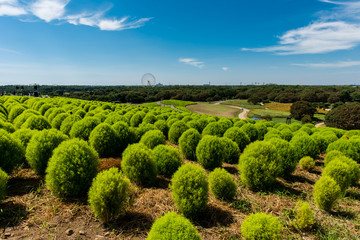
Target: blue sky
(86, 42)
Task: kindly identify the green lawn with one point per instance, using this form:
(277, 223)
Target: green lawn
(242, 103)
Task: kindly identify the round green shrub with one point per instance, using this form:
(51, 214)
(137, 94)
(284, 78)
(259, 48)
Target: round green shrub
(143, 128)
(261, 129)
(7, 126)
(40, 148)
(326, 192)
(72, 168)
(231, 151)
(173, 226)
(104, 140)
(210, 152)
(258, 165)
(353, 166)
(54, 113)
(332, 155)
(43, 109)
(307, 163)
(340, 172)
(201, 123)
(188, 143)
(57, 121)
(346, 147)
(214, 129)
(82, 129)
(222, 185)
(136, 119)
(12, 152)
(113, 118)
(304, 146)
(24, 135)
(190, 189)
(261, 226)
(15, 112)
(286, 134)
(176, 130)
(125, 136)
(161, 125)
(251, 131)
(239, 136)
(36, 123)
(153, 138)
(167, 159)
(23, 117)
(149, 118)
(68, 122)
(288, 159)
(3, 184)
(138, 164)
(304, 216)
(109, 194)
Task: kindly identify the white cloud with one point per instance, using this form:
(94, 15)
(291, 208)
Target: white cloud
(341, 64)
(11, 8)
(333, 31)
(51, 10)
(193, 62)
(225, 68)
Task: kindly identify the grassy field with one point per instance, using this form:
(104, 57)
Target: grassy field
(214, 109)
(242, 103)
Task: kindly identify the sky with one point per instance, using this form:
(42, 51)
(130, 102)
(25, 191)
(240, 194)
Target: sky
(228, 42)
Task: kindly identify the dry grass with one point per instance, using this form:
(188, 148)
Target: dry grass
(278, 106)
(30, 211)
(214, 109)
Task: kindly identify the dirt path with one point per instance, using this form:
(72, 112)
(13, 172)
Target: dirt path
(244, 113)
(322, 124)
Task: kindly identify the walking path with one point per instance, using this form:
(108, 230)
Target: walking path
(172, 106)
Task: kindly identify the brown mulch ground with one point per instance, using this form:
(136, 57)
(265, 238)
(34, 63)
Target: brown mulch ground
(30, 211)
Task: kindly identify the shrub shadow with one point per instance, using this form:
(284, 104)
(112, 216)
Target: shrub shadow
(19, 186)
(12, 214)
(214, 216)
(281, 189)
(343, 214)
(141, 222)
(231, 169)
(296, 178)
(353, 195)
(162, 182)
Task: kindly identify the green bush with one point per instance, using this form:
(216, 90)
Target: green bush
(57, 121)
(149, 118)
(210, 152)
(261, 226)
(68, 122)
(346, 147)
(153, 138)
(36, 123)
(136, 119)
(40, 148)
(12, 152)
(326, 192)
(239, 136)
(72, 168)
(307, 163)
(161, 125)
(231, 151)
(138, 164)
(82, 129)
(354, 167)
(109, 194)
(304, 216)
(288, 159)
(7, 126)
(3, 184)
(24, 136)
(305, 146)
(222, 185)
(190, 189)
(176, 130)
(142, 129)
(251, 131)
(15, 111)
(54, 113)
(340, 172)
(167, 159)
(214, 129)
(23, 117)
(104, 140)
(261, 129)
(43, 109)
(332, 155)
(173, 226)
(113, 118)
(188, 143)
(258, 165)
